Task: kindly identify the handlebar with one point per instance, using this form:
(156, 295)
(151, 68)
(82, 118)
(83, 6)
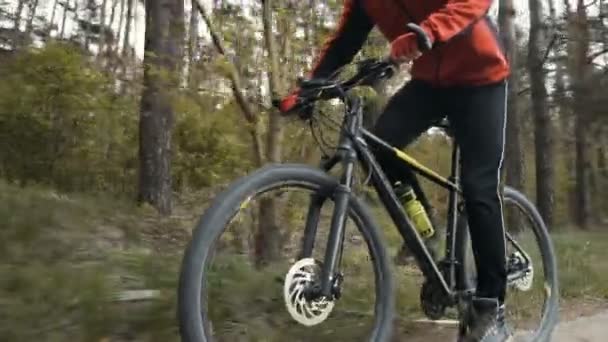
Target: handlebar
(370, 71)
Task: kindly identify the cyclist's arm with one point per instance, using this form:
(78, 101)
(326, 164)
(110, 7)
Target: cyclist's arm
(353, 29)
(454, 17)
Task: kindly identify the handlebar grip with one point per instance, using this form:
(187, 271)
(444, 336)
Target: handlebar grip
(276, 103)
(424, 41)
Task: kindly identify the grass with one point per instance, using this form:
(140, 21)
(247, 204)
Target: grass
(65, 257)
(583, 264)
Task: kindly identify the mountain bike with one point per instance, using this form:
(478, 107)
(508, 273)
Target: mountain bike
(312, 288)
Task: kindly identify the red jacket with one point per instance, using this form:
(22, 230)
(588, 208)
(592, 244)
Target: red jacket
(466, 49)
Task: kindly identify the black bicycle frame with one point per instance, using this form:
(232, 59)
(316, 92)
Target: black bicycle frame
(353, 145)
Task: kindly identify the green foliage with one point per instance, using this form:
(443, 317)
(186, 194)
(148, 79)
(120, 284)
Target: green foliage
(61, 124)
(210, 148)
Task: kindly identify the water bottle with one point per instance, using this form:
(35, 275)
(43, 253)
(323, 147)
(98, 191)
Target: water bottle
(414, 210)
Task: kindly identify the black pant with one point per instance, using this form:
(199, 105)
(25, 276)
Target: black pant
(477, 117)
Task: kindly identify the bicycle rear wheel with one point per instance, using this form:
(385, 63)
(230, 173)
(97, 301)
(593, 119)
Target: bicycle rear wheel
(196, 273)
(532, 292)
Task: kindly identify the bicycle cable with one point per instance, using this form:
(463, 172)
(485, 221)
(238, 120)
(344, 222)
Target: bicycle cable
(319, 140)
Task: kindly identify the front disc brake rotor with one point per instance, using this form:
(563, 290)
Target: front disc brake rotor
(301, 276)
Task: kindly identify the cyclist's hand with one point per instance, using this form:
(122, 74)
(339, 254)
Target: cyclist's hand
(292, 104)
(289, 102)
(405, 48)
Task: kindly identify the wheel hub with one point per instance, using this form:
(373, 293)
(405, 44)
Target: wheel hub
(299, 284)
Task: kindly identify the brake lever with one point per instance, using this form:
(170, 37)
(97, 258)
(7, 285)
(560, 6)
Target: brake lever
(423, 39)
(314, 83)
(376, 70)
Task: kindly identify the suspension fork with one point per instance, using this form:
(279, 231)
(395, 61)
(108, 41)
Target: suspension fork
(341, 196)
(333, 252)
(317, 200)
(347, 155)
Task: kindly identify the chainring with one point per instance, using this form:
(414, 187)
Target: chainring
(433, 300)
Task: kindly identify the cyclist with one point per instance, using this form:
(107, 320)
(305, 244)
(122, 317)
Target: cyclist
(464, 78)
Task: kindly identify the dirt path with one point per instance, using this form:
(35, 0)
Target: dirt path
(584, 329)
(587, 328)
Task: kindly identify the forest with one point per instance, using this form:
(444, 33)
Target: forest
(121, 119)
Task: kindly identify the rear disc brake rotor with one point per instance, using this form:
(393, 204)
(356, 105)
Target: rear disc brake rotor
(523, 283)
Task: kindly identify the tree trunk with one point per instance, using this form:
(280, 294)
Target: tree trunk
(594, 175)
(275, 131)
(602, 168)
(29, 27)
(87, 33)
(66, 7)
(18, 12)
(566, 146)
(113, 38)
(193, 45)
(267, 241)
(235, 84)
(603, 15)
(116, 62)
(128, 22)
(134, 34)
(126, 46)
(52, 20)
(76, 18)
(543, 130)
(514, 158)
(309, 27)
(514, 166)
(288, 30)
(163, 46)
(583, 201)
(579, 38)
(17, 23)
(102, 32)
(113, 13)
(602, 164)
(121, 20)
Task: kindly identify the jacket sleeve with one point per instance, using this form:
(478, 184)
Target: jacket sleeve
(353, 30)
(454, 17)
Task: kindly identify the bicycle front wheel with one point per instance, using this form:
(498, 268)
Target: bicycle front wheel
(210, 302)
(532, 286)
